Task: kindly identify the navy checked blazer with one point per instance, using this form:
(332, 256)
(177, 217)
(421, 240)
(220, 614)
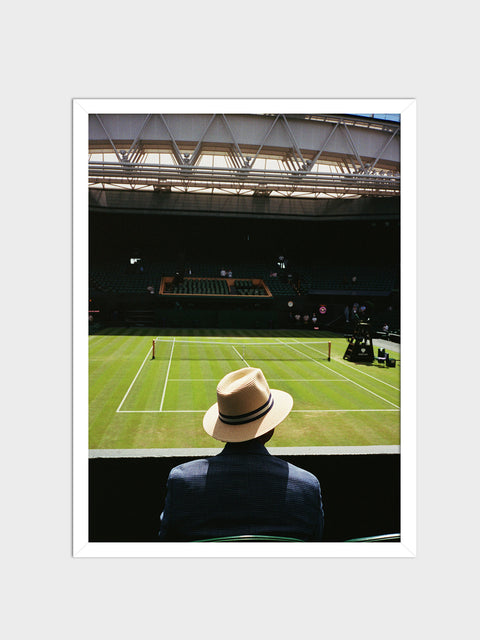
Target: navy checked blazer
(242, 490)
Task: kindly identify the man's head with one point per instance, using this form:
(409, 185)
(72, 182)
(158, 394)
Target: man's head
(246, 407)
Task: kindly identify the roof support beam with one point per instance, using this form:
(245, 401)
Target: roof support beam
(194, 157)
(317, 156)
(176, 151)
(135, 146)
(109, 138)
(301, 164)
(382, 150)
(262, 144)
(354, 148)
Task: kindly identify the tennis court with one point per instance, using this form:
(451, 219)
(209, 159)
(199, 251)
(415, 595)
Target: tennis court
(150, 391)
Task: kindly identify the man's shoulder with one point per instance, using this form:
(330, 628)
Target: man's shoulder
(297, 473)
(293, 472)
(189, 468)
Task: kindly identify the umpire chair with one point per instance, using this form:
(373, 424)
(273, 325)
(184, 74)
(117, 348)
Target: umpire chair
(360, 344)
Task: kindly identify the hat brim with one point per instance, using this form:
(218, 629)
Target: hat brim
(282, 405)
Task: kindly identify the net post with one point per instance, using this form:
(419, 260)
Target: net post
(153, 349)
(329, 350)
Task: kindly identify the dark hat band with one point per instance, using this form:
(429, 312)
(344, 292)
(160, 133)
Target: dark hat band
(244, 418)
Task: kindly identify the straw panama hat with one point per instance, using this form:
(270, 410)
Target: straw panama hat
(246, 407)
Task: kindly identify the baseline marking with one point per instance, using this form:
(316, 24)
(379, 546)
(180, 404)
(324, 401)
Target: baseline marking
(292, 411)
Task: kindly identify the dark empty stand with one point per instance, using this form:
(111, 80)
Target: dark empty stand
(369, 280)
(116, 277)
(321, 260)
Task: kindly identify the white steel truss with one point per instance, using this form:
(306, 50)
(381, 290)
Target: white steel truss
(271, 155)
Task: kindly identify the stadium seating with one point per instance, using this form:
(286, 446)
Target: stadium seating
(117, 277)
(200, 286)
(334, 278)
(248, 288)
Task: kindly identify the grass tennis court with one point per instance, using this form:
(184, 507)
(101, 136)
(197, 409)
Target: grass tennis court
(138, 402)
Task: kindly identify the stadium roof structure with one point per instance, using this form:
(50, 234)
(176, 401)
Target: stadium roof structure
(284, 155)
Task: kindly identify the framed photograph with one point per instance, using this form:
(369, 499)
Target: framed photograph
(276, 237)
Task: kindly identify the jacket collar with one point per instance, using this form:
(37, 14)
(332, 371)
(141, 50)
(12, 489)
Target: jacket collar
(250, 446)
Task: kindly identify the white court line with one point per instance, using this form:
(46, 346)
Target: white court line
(337, 359)
(149, 411)
(340, 374)
(241, 357)
(166, 377)
(133, 381)
(340, 410)
(292, 411)
(270, 379)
